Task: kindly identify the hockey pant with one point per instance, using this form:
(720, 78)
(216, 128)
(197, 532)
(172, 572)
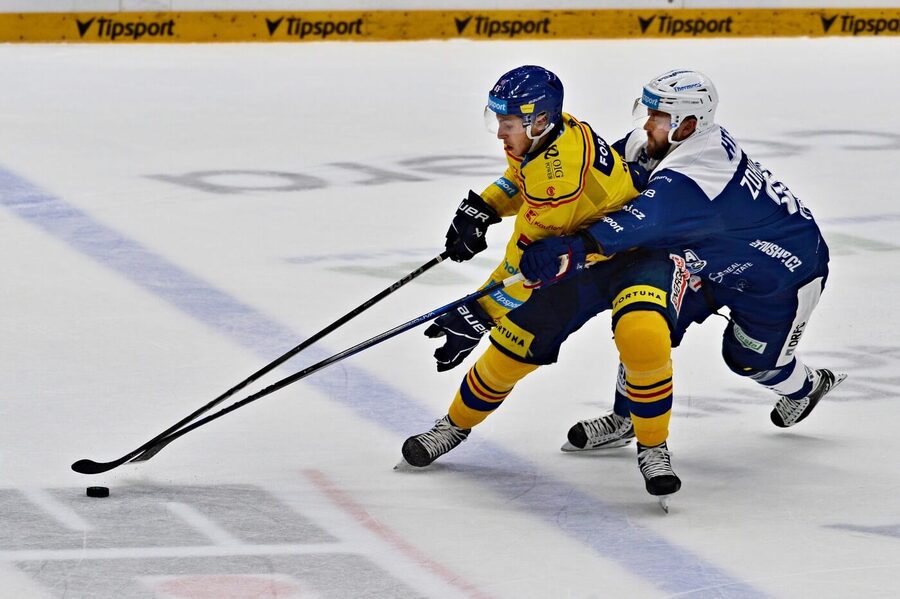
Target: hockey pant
(643, 289)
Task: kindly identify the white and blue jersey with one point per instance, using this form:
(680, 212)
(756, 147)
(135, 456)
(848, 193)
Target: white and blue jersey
(735, 223)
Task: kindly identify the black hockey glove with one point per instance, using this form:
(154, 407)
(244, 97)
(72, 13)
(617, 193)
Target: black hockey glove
(465, 237)
(463, 328)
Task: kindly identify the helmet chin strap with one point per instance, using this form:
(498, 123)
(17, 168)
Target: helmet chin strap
(536, 141)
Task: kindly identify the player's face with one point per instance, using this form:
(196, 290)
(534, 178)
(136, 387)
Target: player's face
(511, 131)
(657, 127)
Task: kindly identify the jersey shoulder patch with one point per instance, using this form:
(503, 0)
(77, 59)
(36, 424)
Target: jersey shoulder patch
(507, 187)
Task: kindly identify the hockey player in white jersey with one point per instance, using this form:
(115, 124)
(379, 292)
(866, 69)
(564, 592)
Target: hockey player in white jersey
(749, 243)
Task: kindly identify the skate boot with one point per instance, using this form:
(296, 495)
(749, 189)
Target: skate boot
(421, 450)
(605, 432)
(788, 412)
(656, 466)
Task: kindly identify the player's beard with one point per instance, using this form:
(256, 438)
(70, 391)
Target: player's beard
(656, 150)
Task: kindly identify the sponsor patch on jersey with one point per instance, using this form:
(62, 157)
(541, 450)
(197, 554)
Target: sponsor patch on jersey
(680, 278)
(522, 242)
(532, 216)
(694, 263)
(505, 300)
(508, 187)
(639, 293)
(551, 191)
(512, 338)
(749, 342)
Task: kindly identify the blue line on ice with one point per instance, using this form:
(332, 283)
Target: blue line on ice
(646, 555)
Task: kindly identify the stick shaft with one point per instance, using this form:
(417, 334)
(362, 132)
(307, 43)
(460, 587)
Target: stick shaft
(147, 451)
(338, 357)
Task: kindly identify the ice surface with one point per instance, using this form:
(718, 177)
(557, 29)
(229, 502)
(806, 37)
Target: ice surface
(174, 217)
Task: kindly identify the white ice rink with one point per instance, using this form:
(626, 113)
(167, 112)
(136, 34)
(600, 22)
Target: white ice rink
(174, 217)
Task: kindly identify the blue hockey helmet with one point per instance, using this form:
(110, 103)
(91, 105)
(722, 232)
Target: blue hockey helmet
(527, 92)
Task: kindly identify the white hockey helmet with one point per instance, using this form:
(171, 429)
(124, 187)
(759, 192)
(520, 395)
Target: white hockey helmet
(681, 93)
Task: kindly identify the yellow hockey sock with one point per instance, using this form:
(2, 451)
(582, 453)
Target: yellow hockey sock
(645, 349)
(485, 387)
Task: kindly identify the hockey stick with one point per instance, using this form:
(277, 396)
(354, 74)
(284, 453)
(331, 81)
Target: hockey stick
(162, 441)
(149, 449)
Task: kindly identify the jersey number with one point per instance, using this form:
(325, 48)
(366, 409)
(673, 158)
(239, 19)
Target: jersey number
(756, 178)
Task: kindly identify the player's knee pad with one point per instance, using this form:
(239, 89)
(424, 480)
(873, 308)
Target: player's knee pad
(737, 359)
(792, 379)
(734, 362)
(643, 341)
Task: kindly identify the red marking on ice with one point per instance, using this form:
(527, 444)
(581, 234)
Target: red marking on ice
(227, 587)
(360, 514)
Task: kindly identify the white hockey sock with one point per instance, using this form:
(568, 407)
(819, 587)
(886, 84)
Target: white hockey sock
(798, 384)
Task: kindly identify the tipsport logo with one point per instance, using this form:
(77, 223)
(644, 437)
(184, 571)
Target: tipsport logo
(488, 27)
(673, 26)
(856, 26)
(497, 105)
(650, 100)
(113, 29)
(302, 28)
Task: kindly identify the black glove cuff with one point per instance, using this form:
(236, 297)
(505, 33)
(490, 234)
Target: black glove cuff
(481, 314)
(475, 209)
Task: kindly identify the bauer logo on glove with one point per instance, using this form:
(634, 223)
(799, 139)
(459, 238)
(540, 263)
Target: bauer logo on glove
(463, 329)
(466, 235)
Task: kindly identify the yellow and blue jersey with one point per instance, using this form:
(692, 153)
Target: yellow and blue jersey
(565, 187)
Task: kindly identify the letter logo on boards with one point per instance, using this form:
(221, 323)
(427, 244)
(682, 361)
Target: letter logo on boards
(273, 25)
(83, 27)
(461, 24)
(645, 23)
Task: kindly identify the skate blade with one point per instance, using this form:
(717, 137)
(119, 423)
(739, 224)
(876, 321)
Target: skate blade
(569, 448)
(839, 378)
(664, 502)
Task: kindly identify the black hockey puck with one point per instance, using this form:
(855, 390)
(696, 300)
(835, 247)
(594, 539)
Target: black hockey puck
(98, 491)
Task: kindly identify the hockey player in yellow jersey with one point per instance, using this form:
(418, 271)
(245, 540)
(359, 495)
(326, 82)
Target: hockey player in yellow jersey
(561, 177)
(558, 181)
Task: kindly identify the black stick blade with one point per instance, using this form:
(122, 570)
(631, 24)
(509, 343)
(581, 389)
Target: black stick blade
(92, 467)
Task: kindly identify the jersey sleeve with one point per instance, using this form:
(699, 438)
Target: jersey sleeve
(621, 145)
(672, 211)
(504, 195)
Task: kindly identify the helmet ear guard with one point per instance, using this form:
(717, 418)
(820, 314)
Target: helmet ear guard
(548, 125)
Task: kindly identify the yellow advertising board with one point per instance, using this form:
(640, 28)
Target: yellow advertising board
(400, 25)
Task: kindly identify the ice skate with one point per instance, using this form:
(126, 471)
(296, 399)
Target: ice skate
(604, 432)
(788, 412)
(421, 450)
(656, 466)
